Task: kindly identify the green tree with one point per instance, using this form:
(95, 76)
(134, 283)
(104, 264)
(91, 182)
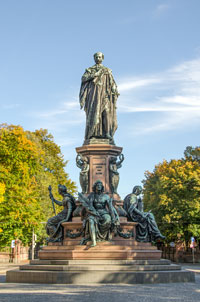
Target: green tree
(52, 168)
(172, 191)
(192, 153)
(29, 162)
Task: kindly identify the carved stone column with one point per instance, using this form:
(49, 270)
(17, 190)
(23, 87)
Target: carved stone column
(99, 156)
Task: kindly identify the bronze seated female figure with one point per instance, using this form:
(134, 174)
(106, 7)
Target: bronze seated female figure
(146, 229)
(100, 216)
(53, 227)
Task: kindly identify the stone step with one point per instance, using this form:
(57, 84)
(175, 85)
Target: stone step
(113, 268)
(116, 241)
(102, 247)
(99, 277)
(99, 254)
(100, 262)
(121, 241)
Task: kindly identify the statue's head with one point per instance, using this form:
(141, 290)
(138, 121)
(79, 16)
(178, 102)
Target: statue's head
(98, 186)
(113, 160)
(137, 190)
(98, 57)
(62, 189)
(85, 159)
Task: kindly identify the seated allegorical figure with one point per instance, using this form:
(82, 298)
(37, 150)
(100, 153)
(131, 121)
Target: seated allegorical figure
(146, 229)
(53, 227)
(100, 216)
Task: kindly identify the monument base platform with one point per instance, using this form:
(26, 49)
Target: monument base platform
(102, 251)
(124, 261)
(116, 262)
(84, 272)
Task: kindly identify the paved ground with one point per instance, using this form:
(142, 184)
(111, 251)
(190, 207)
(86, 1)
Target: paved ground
(176, 292)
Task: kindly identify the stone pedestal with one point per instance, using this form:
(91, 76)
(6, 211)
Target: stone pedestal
(122, 246)
(99, 156)
(118, 261)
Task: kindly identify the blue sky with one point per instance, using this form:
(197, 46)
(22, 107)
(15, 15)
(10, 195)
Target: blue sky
(153, 49)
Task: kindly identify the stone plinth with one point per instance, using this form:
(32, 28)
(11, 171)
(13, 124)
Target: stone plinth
(118, 248)
(99, 271)
(73, 232)
(99, 156)
(118, 261)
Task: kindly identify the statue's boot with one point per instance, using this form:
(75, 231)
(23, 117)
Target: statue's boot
(160, 236)
(108, 136)
(92, 234)
(93, 237)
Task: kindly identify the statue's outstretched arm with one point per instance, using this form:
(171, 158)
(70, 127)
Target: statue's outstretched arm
(79, 161)
(121, 159)
(59, 203)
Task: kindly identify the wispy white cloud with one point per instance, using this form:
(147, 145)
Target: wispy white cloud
(61, 120)
(64, 107)
(65, 143)
(10, 106)
(173, 93)
(136, 83)
(161, 9)
(128, 20)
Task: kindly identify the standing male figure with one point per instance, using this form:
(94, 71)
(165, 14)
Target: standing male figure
(98, 96)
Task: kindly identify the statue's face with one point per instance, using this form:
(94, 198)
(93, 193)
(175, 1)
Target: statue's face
(99, 186)
(98, 58)
(137, 191)
(60, 191)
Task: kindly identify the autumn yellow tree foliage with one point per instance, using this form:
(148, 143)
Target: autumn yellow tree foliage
(2, 191)
(172, 192)
(29, 162)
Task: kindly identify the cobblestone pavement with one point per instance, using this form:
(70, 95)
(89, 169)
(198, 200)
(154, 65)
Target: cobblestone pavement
(176, 292)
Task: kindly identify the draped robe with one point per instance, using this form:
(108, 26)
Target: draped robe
(146, 229)
(98, 96)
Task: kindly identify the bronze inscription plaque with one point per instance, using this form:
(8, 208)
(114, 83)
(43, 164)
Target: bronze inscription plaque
(99, 169)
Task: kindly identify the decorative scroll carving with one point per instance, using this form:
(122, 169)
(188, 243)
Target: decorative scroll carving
(124, 235)
(73, 234)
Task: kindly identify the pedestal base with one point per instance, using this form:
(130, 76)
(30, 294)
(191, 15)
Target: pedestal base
(99, 156)
(123, 261)
(87, 272)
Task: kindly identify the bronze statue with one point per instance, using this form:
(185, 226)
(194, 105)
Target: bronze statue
(146, 229)
(114, 165)
(82, 163)
(53, 227)
(100, 217)
(98, 96)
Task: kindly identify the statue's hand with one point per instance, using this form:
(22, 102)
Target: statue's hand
(121, 157)
(98, 73)
(143, 217)
(115, 222)
(51, 195)
(113, 90)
